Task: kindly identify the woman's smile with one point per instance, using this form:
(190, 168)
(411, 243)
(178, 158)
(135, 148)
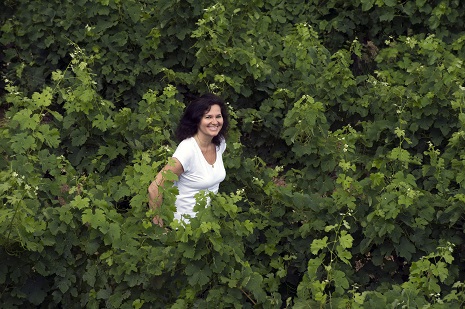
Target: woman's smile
(211, 123)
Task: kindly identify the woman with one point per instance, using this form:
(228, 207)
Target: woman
(198, 160)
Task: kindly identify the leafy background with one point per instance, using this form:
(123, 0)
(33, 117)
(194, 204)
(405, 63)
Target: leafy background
(345, 163)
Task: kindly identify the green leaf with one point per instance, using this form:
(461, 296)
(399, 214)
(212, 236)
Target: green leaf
(399, 154)
(137, 304)
(26, 119)
(168, 175)
(462, 118)
(42, 99)
(440, 270)
(80, 202)
(318, 244)
(346, 240)
(56, 115)
(22, 142)
(87, 96)
(367, 4)
(36, 295)
(254, 284)
(420, 3)
(90, 276)
(330, 227)
(114, 232)
(405, 248)
(343, 254)
(399, 132)
(64, 284)
(66, 215)
(95, 219)
(187, 250)
(377, 179)
(104, 293)
(4, 187)
(198, 276)
(249, 225)
(101, 123)
(51, 136)
(232, 283)
(390, 3)
(134, 12)
(388, 15)
(79, 137)
(340, 282)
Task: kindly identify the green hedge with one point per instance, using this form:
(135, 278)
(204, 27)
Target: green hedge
(345, 163)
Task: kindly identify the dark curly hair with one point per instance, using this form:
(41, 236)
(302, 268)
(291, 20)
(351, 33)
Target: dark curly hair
(190, 120)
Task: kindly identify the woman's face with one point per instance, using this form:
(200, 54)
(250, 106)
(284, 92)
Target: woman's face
(211, 122)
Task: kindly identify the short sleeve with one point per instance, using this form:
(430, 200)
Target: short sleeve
(222, 146)
(184, 154)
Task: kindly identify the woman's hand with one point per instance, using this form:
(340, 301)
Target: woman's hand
(158, 221)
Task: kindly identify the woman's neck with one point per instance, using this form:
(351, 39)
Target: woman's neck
(203, 142)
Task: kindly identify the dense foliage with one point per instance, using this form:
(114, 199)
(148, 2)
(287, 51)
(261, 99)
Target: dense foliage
(346, 162)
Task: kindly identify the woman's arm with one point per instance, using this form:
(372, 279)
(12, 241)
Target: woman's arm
(155, 196)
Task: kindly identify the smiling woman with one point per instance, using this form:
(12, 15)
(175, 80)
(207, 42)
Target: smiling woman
(198, 159)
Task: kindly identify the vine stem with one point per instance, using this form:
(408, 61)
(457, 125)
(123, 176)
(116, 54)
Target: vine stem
(248, 296)
(12, 221)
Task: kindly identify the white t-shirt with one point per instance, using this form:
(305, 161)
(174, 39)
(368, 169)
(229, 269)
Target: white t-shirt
(198, 175)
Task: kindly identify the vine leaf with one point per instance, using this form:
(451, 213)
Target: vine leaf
(318, 244)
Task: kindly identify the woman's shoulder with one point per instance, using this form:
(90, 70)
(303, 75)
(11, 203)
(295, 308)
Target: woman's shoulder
(186, 143)
(184, 152)
(187, 140)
